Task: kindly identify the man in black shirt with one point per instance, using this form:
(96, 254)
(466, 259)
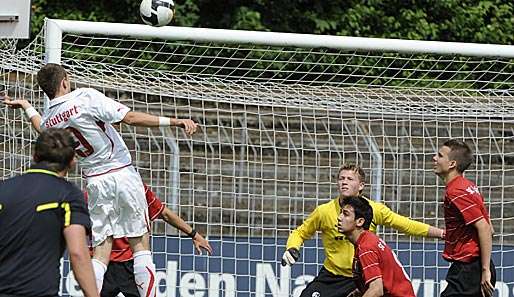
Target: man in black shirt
(40, 215)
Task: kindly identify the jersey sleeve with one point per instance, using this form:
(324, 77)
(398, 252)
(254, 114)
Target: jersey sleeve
(155, 206)
(467, 204)
(104, 108)
(369, 259)
(383, 215)
(305, 230)
(75, 210)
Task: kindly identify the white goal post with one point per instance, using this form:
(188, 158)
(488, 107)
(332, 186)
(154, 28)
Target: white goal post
(55, 28)
(279, 113)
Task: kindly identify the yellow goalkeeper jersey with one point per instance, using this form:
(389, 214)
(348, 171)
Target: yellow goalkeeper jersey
(338, 249)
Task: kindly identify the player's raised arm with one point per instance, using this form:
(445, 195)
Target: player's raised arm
(32, 114)
(135, 118)
(110, 111)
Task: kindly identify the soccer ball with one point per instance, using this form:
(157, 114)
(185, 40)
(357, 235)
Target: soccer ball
(157, 12)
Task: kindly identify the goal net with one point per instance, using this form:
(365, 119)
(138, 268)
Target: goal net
(278, 114)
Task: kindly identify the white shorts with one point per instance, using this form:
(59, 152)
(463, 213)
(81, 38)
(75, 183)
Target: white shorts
(117, 205)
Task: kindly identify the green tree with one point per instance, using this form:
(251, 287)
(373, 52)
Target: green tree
(484, 21)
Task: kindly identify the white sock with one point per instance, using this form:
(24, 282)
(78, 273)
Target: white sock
(144, 273)
(99, 268)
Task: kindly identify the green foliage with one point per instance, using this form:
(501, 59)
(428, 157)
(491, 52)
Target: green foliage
(125, 11)
(485, 21)
(187, 12)
(247, 19)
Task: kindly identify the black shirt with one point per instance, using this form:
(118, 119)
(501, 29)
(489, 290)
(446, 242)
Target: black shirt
(34, 210)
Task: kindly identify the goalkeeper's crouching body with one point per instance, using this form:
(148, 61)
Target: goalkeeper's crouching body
(335, 277)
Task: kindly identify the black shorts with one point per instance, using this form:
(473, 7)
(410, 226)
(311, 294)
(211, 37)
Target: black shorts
(327, 284)
(464, 279)
(119, 277)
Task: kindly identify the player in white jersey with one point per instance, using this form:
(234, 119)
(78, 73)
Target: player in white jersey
(117, 203)
(88, 114)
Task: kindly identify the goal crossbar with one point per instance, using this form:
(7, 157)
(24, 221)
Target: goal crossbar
(55, 28)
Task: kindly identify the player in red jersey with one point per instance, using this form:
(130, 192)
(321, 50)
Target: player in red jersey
(119, 276)
(376, 268)
(468, 241)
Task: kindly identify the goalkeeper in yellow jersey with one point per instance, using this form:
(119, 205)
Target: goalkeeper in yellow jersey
(335, 277)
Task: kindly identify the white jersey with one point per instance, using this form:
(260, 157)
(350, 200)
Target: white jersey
(88, 115)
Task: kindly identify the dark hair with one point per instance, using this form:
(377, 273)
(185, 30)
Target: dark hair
(55, 149)
(460, 153)
(354, 168)
(49, 78)
(362, 209)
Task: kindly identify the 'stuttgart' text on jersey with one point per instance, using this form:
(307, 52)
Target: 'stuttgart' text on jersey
(88, 115)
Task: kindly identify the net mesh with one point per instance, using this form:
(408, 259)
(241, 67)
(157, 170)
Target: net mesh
(275, 125)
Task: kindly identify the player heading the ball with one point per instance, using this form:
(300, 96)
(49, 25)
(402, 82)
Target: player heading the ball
(117, 203)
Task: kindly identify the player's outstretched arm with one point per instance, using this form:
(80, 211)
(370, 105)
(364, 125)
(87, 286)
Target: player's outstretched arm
(486, 244)
(305, 231)
(142, 119)
(76, 242)
(299, 235)
(375, 288)
(32, 114)
(199, 241)
(387, 217)
(435, 232)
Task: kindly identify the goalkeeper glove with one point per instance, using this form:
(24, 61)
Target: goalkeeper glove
(290, 256)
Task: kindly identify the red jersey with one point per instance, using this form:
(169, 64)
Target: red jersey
(121, 251)
(463, 206)
(374, 259)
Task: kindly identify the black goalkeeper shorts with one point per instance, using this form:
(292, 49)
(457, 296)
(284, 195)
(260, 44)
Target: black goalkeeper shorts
(119, 277)
(327, 284)
(464, 279)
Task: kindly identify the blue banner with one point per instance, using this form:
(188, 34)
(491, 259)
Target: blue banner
(245, 267)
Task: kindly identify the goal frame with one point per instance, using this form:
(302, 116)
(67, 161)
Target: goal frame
(55, 28)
